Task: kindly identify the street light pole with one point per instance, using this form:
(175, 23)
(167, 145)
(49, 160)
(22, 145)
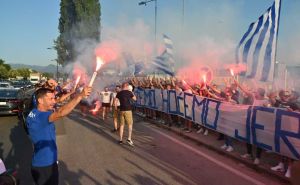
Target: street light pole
(56, 68)
(155, 22)
(182, 14)
(155, 19)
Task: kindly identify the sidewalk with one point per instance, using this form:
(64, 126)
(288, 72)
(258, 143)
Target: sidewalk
(268, 159)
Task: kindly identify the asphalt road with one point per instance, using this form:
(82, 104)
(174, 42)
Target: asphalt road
(89, 154)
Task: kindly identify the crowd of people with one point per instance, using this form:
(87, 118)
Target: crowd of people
(233, 93)
(52, 101)
(230, 92)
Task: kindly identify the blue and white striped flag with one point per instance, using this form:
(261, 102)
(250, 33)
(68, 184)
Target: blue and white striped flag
(165, 62)
(138, 68)
(257, 48)
(170, 51)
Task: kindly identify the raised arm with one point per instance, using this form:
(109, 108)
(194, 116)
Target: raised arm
(214, 96)
(133, 97)
(65, 96)
(214, 89)
(67, 108)
(242, 88)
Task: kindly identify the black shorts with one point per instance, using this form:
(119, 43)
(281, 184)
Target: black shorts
(105, 104)
(47, 175)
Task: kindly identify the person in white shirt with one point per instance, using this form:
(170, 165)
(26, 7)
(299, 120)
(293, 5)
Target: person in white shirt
(105, 97)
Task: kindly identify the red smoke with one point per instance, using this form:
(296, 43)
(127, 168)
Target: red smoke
(194, 74)
(79, 71)
(148, 48)
(237, 68)
(108, 50)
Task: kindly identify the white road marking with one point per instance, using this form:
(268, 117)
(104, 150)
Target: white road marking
(237, 172)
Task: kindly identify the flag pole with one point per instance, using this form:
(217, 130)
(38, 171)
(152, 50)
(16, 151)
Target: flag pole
(275, 74)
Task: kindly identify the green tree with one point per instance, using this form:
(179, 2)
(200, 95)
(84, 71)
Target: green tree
(3, 72)
(48, 75)
(78, 20)
(24, 72)
(2, 63)
(13, 73)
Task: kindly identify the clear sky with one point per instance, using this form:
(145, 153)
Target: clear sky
(28, 27)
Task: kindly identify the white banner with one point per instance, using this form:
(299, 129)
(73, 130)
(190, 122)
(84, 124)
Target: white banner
(266, 127)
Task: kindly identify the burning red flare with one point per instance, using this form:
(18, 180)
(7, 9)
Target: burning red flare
(99, 63)
(204, 78)
(97, 107)
(231, 72)
(77, 81)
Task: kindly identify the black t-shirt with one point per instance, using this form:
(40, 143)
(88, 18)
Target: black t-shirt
(292, 105)
(235, 96)
(125, 96)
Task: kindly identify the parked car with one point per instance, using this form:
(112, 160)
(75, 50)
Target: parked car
(5, 85)
(28, 84)
(11, 101)
(18, 84)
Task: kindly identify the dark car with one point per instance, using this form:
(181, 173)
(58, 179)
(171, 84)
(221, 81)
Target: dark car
(11, 101)
(18, 84)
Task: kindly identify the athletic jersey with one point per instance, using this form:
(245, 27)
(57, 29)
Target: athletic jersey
(42, 135)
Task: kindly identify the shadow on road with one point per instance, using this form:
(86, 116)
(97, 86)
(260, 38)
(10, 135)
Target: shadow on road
(139, 178)
(19, 155)
(97, 129)
(115, 177)
(1, 151)
(177, 174)
(71, 177)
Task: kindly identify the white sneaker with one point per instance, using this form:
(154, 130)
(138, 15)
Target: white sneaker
(279, 167)
(130, 142)
(288, 173)
(200, 131)
(246, 156)
(229, 149)
(224, 147)
(256, 161)
(206, 132)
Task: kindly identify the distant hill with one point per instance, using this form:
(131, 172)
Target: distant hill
(51, 68)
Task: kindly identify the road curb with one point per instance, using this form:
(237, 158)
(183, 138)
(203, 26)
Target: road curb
(258, 168)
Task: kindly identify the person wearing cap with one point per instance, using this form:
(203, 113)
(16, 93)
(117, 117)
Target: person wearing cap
(41, 130)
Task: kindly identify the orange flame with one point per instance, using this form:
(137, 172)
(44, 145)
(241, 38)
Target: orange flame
(204, 78)
(231, 72)
(97, 107)
(99, 63)
(77, 80)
